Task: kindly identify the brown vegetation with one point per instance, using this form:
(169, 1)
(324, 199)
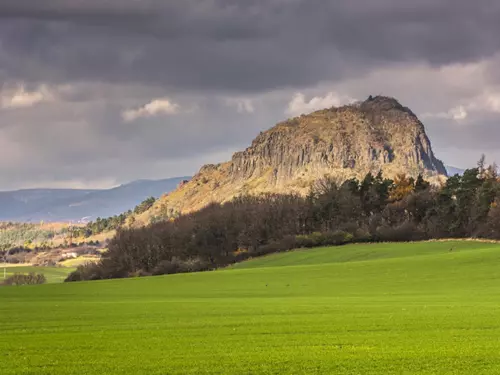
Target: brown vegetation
(22, 279)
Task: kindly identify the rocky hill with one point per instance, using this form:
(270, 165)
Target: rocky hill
(350, 141)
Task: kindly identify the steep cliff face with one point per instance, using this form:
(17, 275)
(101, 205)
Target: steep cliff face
(350, 141)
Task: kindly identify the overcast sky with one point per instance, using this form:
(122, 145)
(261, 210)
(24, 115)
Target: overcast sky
(95, 93)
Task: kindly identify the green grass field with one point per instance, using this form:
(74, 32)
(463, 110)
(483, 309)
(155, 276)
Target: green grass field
(53, 274)
(360, 309)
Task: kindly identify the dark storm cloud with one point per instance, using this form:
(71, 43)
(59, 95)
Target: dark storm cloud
(249, 45)
(100, 58)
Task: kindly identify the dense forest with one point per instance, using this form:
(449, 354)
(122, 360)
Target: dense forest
(374, 209)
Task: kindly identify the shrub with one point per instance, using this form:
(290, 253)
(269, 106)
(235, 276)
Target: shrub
(177, 265)
(404, 232)
(25, 279)
(362, 235)
(324, 239)
(285, 244)
(140, 273)
(337, 238)
(87, 271)
(309, 240)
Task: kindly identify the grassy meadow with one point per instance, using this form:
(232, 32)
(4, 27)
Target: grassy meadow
(53, 274)
(426, 308)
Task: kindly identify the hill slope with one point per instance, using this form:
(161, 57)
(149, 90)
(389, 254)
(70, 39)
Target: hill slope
(378, 134)
(72, 204)
(367, 253)
(358, 309)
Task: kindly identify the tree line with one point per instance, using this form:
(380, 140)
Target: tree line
(372, 209)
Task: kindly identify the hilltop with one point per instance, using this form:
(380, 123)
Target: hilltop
(378, 134)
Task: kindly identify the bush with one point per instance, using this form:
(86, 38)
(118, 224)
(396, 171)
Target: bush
(176, 265)
(285, 244)
(361, 235)
(140, 273)
(309, 240)
(324, 239)
(401, 233)
(25, 279)
(337, 238)
(87, 271)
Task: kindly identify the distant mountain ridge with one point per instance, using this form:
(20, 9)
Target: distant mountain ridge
(452, 171)
(74, 204)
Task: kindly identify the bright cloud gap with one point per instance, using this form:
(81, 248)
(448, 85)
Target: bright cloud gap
(156, 107)
(20, 97)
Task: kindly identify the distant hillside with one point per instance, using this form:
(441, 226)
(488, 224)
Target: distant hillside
(378, 134)
(452, 171)
(73, 204)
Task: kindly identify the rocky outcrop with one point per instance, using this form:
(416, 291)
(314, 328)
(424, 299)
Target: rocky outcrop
(378, 134)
